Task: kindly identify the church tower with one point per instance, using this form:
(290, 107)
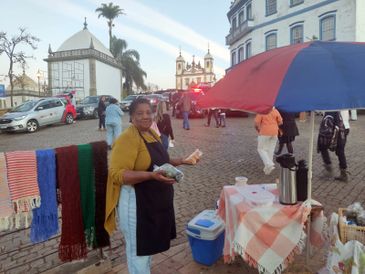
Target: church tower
(208, 67)
(180, 65)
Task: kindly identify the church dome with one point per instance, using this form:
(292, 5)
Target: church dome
(82, 40)
(180, 58)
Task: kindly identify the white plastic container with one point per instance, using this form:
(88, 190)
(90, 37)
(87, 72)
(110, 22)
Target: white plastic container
(206, 237)
(241, 181)
(256, 195)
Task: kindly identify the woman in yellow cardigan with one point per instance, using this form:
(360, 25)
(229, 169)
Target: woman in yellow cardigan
(143, 199)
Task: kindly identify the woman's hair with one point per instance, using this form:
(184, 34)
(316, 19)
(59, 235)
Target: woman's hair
(113, 101)
(160, 111)
(135, 103)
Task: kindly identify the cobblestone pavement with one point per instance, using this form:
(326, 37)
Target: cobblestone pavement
(228, 152)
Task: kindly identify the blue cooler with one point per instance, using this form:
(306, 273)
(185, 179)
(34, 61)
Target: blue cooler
(206, 237)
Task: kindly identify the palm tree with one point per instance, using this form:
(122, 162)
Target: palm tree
(129, 59)
(110, 12)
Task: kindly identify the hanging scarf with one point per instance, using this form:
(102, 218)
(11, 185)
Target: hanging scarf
(100, 156)
(23, 185)
(6, 211)
(45, 219)
(73, 245)
(87, 188)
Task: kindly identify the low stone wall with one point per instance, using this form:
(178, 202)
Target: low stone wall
(19, 255)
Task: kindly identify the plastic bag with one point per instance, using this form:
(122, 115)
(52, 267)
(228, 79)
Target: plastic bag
(194, 157)
(170, 171)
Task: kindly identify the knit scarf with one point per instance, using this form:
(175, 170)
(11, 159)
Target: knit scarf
(87, 188)
(73, 245)
(100, 156)
(23, 185)
(6, 210)
(45, 219)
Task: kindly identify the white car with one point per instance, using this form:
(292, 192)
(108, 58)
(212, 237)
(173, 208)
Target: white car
(31, 115)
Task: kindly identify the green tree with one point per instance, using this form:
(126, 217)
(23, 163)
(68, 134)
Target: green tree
(129, 59)
(110, 12)
(8, 46)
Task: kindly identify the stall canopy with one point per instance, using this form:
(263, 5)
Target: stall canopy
(303, 77)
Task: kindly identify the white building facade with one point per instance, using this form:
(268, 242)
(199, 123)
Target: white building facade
(194, 73)
(260, 25)
(82, 63)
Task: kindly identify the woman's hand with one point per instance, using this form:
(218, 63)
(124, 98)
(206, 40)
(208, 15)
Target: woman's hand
(160, 176)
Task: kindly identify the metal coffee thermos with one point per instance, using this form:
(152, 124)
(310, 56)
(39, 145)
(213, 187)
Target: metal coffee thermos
(287, 180)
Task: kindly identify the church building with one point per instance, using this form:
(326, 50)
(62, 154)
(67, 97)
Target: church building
(194, 73)
(83, 64)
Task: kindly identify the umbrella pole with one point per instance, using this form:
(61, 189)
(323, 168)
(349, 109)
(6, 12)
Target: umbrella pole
(310, 156)
(309, 189)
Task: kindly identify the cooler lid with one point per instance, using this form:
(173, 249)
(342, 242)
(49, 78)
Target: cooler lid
(206, 222)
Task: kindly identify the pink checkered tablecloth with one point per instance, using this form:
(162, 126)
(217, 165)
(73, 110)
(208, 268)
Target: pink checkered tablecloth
(267, 237)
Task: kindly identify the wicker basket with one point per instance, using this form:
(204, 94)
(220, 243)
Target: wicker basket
(350, 232)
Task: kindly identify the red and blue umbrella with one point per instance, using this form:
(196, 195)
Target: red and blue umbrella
(303, 77)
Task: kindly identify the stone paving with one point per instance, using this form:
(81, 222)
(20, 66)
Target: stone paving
(228, 152)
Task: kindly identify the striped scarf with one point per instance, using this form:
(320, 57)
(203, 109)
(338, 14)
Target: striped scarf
(23, 185)
(87, 188)
(100, 156)
(45, 219)
(73, 245)
(6, 210)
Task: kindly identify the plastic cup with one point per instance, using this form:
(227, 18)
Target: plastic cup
(241, 181)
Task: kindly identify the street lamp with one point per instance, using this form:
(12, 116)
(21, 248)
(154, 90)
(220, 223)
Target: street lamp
(39, 85)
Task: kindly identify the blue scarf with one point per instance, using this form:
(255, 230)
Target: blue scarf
(45, 218)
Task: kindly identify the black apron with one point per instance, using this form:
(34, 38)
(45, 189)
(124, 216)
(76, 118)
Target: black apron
(155, 208)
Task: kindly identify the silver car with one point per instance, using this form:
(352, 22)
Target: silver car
(31, 115)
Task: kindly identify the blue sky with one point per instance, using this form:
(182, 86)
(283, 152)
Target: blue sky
(155, 29)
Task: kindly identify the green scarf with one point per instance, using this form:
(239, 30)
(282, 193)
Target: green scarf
(87, 189)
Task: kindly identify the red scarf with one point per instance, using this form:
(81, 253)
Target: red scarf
(73, 244)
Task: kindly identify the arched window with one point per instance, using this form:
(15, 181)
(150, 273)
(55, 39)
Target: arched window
(249, 12)
(248, 50)
(270, 7)
(241, 54)
(233, 58)
(271, 41)
(179, 66)
(296, 34)
(208, 64)
(328, 28)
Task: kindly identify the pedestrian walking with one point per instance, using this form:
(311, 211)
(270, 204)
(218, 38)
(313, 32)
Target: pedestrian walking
(212, 112)
(267, 126)
(186, 107)
(164, 125)
(174, 101)
(101, 113)
(332, 136)
(288, 130)
(222, 117)
(113, 122)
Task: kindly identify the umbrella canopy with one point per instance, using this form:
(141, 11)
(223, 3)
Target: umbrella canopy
(303, 77)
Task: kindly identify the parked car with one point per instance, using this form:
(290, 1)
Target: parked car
(88, 108)
(196, 111)
(155, 99)
(127, 101)
(33, 114)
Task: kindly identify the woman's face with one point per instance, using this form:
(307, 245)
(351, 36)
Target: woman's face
(142, 117)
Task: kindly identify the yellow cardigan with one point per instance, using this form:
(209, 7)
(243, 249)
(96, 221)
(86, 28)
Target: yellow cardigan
(129, 153)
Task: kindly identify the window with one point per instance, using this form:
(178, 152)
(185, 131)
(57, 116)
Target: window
(295, 2)
(271, 41)
(208, 64)
(233, 58)
(198, 79)
(249, 12)
(45, 105)
(241, 17)
(327, 28)
(270, 7)
(248, 50)
(186, 81)
(296, 34)
(240, 54)
(179, 66)
(234, 23)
